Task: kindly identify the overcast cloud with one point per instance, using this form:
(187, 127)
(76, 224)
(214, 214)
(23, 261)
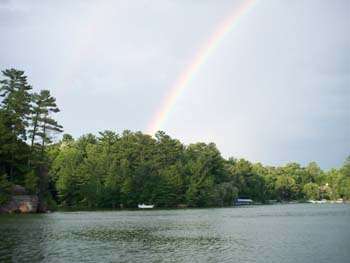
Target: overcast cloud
(275, 90)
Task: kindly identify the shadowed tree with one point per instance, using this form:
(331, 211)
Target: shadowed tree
(15, 109)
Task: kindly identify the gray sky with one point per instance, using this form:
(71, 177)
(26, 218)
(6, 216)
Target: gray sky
(276, 89)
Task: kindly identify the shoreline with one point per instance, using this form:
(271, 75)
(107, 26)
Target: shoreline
(67, 210)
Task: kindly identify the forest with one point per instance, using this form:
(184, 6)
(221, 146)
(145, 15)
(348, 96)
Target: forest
(111, 170)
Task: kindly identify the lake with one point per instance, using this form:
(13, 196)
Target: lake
(274, 233)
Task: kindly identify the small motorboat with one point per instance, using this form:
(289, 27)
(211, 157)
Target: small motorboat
(143, 206)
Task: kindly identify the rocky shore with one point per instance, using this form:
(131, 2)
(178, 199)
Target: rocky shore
(21, 202)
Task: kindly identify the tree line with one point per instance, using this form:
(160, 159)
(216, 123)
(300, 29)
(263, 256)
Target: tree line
(112, 170)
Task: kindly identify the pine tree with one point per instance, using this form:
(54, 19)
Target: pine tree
(43, 125)
(16, 101)
(15, 109)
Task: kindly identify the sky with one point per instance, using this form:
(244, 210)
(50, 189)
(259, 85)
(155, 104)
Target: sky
(275, 90)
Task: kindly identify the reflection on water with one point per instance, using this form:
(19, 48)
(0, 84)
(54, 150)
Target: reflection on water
(280, 233)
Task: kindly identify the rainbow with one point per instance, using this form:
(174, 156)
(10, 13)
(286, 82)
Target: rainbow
(199, 59)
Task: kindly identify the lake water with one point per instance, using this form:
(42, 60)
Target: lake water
(275, 233)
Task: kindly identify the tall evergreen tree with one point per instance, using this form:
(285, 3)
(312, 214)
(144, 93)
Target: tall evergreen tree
(42, 127)
(16, 101)
(15, 109)
(42, 122)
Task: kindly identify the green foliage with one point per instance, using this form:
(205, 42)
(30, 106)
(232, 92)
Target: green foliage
(31, 182)
(42, 122)
(9, 145)
(5, 189)
(311, 191)
(112, 170)
(345, 170)
(16, 100)
(249, 179)
(50, 202)
(14, 120)
(286, 187)
(344, 181)
(225, 193)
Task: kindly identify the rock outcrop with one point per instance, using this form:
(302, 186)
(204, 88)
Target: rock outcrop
(21, 202)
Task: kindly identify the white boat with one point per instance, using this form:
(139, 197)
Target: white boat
(323, 201)
(339, 201)
(143, 206)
